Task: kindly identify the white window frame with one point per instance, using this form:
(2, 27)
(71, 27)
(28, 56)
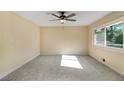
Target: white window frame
(119, 20)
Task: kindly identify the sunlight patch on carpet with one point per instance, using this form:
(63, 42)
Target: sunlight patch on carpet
(70, 61)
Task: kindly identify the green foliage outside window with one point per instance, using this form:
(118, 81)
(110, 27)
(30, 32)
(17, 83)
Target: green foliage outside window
(114, 35)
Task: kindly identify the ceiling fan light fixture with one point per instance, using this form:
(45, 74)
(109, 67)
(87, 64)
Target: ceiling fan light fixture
(62, 21)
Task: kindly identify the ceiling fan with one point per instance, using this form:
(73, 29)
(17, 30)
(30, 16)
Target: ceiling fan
(62, 17)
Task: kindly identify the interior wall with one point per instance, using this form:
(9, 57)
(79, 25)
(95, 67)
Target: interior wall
(19, 41)
(64, 40)
(114, 58)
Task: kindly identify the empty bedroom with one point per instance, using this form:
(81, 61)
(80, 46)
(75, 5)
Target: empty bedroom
(62, 46)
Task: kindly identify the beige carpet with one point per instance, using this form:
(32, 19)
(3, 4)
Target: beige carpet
(63, 68)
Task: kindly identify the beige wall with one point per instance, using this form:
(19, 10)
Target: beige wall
(114, 58)
(19, 41)
(64, 40)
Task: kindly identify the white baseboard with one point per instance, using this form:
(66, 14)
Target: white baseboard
(18, 66)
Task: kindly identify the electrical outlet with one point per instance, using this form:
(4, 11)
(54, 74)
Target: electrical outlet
(103, 60)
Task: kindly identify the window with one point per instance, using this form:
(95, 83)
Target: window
(114, 35)
(99, 36)
(110, 35)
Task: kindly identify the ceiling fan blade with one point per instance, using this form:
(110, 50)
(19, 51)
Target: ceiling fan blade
(54, 19)
(71, 15)
(55, 15)
(71, 20)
